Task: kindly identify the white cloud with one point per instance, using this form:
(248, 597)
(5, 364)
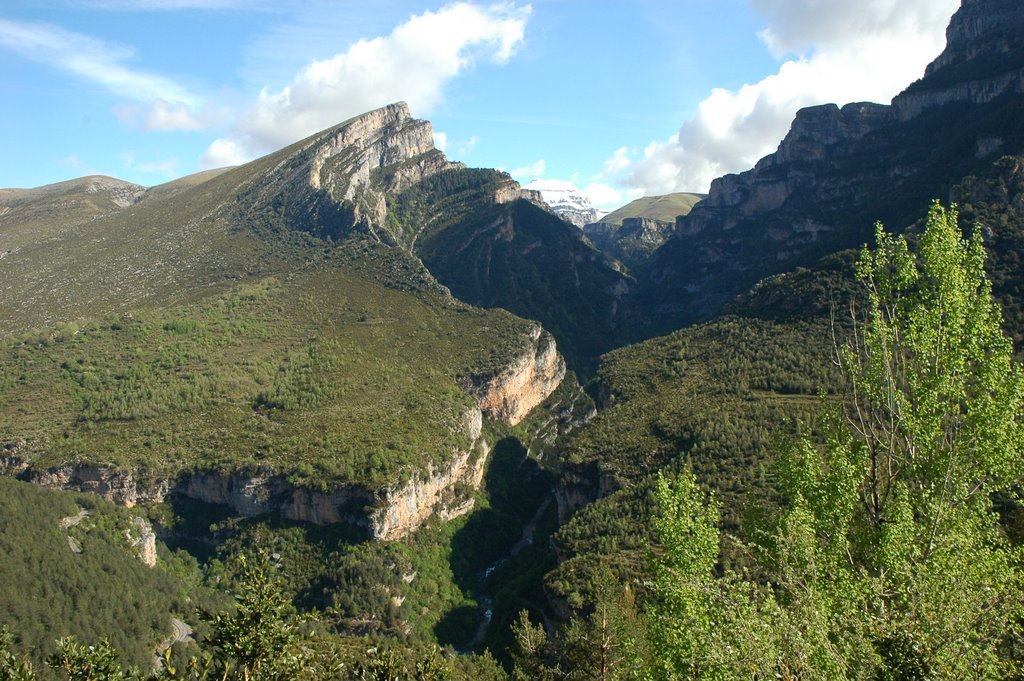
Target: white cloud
(104, 64)
(440, 140)
(413, 63)
(795, 26)
(530, 171)
(222, 153)
(619, 162)
(96, 61)
(168, 116)
(866, 51)
(603, 196)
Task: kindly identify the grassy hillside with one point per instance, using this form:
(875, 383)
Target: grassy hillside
(716, 398)
(662, 208)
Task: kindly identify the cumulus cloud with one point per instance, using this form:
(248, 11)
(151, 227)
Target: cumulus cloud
(172, 116)
(602, 195)
(839, 52)
(222, 153)
(413, 63)
(619, 162)
(441, 140)
(530, 171)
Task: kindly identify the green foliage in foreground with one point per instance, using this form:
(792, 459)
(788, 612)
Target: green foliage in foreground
(888, 560)
(712, 398)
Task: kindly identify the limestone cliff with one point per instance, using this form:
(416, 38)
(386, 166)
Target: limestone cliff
(983, 59)
(143, 539)
(839, 170)
(509, 393)
(338, 181)
(442, 489)
(633, 241)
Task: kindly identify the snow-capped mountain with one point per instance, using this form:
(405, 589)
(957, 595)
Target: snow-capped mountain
(567, 201)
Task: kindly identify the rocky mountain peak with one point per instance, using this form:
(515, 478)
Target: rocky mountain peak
(840, 169)
(338, 181)
(983, 59)
(817, 128)
(566, 201)
(980, 26)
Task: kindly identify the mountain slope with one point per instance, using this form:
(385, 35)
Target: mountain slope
(192, 341)
(665, 208)
(717, 396)
(495, 249)
(840, 170)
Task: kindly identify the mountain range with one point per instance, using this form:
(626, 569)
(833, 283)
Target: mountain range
(355, 332)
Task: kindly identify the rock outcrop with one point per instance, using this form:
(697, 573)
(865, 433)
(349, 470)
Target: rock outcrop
(633, 241)
(143, 540)
(566, 201)
(839, 170)
(339, 180)
(983, 59)
(510, 393)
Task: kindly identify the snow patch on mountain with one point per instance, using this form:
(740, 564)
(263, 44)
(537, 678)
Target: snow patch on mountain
(567, 201)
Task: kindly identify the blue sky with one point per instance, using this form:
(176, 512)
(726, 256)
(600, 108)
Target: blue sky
(621, 98)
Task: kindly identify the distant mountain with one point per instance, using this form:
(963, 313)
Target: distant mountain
(632, 233)
(566, 201)
(665, 208)
(492, 247)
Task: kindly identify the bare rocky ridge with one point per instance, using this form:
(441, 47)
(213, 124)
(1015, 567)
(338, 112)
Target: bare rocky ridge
(338, 181)
(511, 393)
(838, 170)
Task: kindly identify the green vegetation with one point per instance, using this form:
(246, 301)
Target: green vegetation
(324, 376)
(662, 208)
(84, 579)
(713, 398)
(886, 558)
(514, 256)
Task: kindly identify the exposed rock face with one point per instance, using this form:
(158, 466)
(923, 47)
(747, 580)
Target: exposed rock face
(631, 242)
(143, 540)
(339, 180)
(513, 192)
(436, 493)
(817, 134)
(124, 488)
(983, 59)
(389, 513)
(512, 392)
(566, 201)
(841, 169)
